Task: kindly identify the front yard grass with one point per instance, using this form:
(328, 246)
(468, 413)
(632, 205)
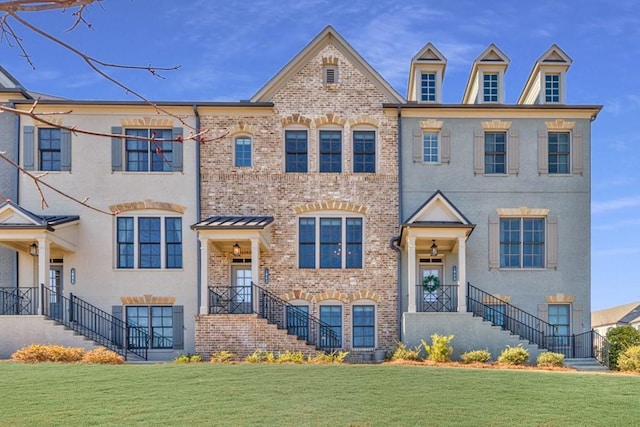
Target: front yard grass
(316, 395)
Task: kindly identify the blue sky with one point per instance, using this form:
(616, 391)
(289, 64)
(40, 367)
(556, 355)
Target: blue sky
(228, 50)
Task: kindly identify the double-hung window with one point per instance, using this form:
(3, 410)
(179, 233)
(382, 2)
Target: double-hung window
(552, 88)
(242, 151)
(330, 242)
(430, 147)
(364, 151)
(149, 242)
(558, 153)
(364, 326)
(330, 151)
(522, 242)
(296, 151)
(490, 87)
(495, 152)
(428, 87)
(49, 149)
(149, 150)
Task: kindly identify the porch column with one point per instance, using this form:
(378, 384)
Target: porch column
(43, 266)
(255, 269)
(462, 275)
(204, 276)
(411, 276)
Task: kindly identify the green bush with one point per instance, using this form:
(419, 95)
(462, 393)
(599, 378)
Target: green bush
(514, 356)
(629, 360)
(291, 357)
(476, 356)
(222, 357)
(328, 358)
(439, 350)
(550, 359)
(403, 353)
(621, 338)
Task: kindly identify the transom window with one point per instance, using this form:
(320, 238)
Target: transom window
(242, 151)
(364, 151)
(144, 155)
(156, 321)
(490, 87)
(428, 87)
(364, 326)
(330, 151)
(330, 242)
(49, 149)
(558, 152)
(332, 316)
(430, 147)
(296, 151)
(495, 152)
(552, 88)
(149, 242)
(522, 242)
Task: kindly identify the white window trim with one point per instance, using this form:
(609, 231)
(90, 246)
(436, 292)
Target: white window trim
(438, 161)
(418, 85)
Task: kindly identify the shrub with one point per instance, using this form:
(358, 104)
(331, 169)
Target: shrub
(35, 353)
(188, 358)
(550, 359)
(222, 357)
(439, 350)
(103, 356)
(291, 357)
(621, 338)
(403, 353)
(260, 356)
(476, 356)
(514, 356)
(328, 358)
(629, 360)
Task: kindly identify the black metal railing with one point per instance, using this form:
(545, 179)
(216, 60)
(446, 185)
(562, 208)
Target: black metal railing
(297, 321)
(442, 299)
(95, 324)
(18, 301)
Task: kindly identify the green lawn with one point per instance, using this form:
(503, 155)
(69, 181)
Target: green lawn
(295, 395)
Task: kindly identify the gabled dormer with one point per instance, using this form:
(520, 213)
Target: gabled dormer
(426, 75)
(486, 81)
(546, 83)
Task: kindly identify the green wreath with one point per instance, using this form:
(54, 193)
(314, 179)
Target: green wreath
(430, 283)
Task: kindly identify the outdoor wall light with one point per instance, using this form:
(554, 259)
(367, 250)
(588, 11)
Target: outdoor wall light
(236, 250)
(33, 249)
(434, 249)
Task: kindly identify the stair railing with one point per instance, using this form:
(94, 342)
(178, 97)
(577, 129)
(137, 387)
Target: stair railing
(95, 324)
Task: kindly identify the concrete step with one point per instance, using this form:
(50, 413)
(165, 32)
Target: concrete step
(585, 364)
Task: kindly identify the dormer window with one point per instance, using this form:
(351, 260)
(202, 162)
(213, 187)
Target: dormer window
(426, 75)
(428, 87)
(486, 80)
(546, 83)
(490, 87)
(552, 88)
(330, 75)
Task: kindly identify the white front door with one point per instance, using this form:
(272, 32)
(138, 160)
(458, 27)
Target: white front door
(428, 299)
(241, 289)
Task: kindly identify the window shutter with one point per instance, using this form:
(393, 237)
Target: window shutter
(28, 148)
(116, 149)
(513, 151)
(177, 150)
(417, 146)
(116, 331)
(445, 137)
(543, 311)
(577, 153)
(178, 327)
(494, 242)
(543, 152)
(478, 152)
(65, 150)
(552, 242)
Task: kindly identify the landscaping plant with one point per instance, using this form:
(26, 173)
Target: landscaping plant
(621, 338)
(476, 356)
(439, 350)
(517, 355)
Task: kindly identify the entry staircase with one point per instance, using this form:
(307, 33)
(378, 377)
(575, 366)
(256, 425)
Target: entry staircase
(587, 345)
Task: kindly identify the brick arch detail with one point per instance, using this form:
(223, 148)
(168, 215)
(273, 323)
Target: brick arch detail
(147, 204)
(297, 294)
(330, 119)
(332, 205)
(364, 119)
(365, 294)
(296, 119)
(242, 127)
(335, 295)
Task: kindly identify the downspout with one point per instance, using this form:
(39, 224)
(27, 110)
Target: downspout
(199, 245)
(396, 240)
(16, 184)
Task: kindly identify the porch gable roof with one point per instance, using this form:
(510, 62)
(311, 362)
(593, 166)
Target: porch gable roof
(13, 216)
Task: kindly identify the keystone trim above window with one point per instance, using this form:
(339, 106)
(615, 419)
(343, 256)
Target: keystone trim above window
(51, 151)
(143, 155)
